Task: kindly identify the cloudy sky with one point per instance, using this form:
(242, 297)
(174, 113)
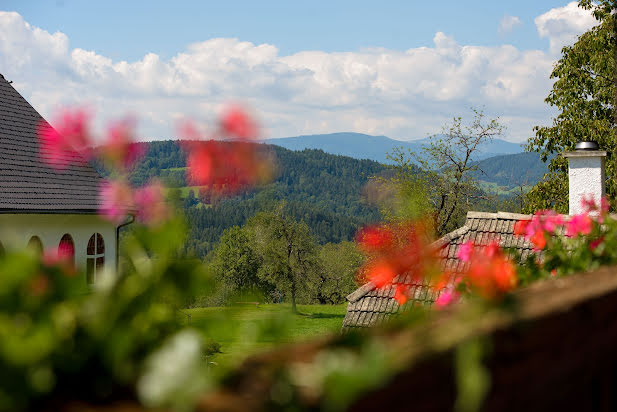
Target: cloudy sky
(397, 68)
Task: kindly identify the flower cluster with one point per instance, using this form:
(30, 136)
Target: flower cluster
(542, 224)
(396, 251)
(490, 272)
(223, 166)
(230, 159)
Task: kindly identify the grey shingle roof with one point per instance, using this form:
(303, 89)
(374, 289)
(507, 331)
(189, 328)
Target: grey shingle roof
(369, 305)
(28, 184)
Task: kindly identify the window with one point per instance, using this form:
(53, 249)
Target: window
(95, 257)
(35, 245)
(66, 249)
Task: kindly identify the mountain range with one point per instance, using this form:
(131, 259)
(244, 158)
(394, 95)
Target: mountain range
(364, 146)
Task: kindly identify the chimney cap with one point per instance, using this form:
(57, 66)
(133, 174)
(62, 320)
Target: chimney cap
(588, 145)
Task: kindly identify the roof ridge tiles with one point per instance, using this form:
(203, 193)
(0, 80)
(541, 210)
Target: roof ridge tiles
(497, 215)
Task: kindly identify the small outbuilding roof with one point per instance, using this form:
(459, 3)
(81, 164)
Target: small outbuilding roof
(29, 185)
(369, 305)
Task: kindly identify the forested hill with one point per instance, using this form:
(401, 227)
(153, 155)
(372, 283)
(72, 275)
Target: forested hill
(512, 170)
(323, 190)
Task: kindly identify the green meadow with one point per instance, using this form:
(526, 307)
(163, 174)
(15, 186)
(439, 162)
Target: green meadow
(246, 329)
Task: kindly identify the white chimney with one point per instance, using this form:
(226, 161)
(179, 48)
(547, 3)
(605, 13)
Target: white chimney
(585, 175)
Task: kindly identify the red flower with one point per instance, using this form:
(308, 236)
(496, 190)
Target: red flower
(120, 148)
(596, 242)
(520, 227)
(539, 240)
(400, 294)
(381, 273)
(116, 201)
(69, 142)
(237, 123)
(226, 166)
(373, 238)
(150, 204)
(491, 276)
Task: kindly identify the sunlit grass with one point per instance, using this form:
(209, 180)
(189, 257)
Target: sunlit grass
(246, 329)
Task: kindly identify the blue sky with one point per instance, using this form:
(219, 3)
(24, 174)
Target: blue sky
(398, 68)
(128, 29)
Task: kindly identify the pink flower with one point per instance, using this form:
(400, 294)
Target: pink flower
(579, 224)
(465, 251)
(120, 148)
(116, 201)
(551, 221)
(446, 298)
(150, 204)
(69, 142)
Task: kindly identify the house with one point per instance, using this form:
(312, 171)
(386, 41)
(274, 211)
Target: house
(369, 305)
(47, 209)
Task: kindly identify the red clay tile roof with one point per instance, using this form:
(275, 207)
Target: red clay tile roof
(28, 185)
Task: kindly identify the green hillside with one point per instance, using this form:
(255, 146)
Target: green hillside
(321, 189)
(512, 170)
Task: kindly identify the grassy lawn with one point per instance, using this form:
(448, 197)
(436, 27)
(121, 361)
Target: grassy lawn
(246, 329)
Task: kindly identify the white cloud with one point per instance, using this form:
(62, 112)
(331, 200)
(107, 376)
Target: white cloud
(508, 23)
(401, 94)
(562, 25)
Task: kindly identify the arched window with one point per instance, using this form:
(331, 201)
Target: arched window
(35, 245)
(66, 249)
(95, 257)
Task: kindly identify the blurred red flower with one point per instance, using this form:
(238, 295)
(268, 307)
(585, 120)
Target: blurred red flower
(68, 142)
(116, 201)
(237, 123)
(150, 205)
(120, 148)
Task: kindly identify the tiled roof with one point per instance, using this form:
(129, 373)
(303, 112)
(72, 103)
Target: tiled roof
(27, 184)
(369, 305)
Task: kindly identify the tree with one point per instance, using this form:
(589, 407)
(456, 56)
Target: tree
(287, 251)
(584, 92)
(440, 181)
(339, 263)
(236, 263)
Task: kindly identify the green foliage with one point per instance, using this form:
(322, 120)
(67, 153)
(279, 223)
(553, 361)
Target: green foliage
(472, 377)
(323, 190)
(243, 330)
(60, 341)
(236, 263)
(444, 187)
(287, 251)
(584, 93)
(511, 170)
(339, 263)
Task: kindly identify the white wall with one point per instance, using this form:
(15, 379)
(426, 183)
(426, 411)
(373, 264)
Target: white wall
(17, 229)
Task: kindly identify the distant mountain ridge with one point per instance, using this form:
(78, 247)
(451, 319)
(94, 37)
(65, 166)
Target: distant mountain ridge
(364, 146)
